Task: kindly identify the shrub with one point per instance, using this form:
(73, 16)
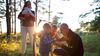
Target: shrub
(91, 45)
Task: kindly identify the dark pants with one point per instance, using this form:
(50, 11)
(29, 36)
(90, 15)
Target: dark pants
(60, 52)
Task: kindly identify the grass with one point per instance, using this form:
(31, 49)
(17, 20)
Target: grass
(91, 45)
(12, 48)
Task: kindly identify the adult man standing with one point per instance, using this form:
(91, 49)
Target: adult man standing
(71, 43)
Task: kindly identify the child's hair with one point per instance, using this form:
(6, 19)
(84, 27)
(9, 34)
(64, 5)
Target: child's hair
(46, 25)
(54, 26)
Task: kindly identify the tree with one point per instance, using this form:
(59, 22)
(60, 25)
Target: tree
(55, 20)
(85, 26)
(8, 17)
(95, 24)
(95, 10)
(2, 12)
(15, 15)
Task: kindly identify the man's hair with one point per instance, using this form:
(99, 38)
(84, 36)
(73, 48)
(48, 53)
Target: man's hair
(63, 25)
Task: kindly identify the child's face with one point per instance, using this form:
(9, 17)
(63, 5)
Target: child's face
(54, 29)
(47, 29)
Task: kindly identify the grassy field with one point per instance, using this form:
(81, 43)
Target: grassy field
(12, 48)
(91, 45)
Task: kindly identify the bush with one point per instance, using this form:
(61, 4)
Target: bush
(91, 45)
(8, 46)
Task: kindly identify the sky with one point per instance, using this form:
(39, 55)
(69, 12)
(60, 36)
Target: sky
(71, 10)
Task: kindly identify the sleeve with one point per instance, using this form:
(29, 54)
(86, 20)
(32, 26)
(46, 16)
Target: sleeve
(30, 12)
(74, 47)
(27, 11)
(46, 40)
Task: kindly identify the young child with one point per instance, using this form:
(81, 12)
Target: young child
(55, 33)
(45, 40)
(53, 30)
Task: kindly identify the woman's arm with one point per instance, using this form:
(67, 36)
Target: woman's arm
(28, 13)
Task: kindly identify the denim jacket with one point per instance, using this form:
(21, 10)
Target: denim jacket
(45, 44)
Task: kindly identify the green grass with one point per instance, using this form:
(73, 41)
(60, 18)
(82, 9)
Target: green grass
(11, 46)
(91, 46)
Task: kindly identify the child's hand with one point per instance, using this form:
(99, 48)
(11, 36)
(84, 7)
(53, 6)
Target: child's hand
(58, 43)
(56, 37)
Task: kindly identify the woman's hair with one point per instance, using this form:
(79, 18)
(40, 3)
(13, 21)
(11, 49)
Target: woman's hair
(25, 4)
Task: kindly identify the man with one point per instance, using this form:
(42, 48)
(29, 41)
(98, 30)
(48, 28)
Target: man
(71, 43)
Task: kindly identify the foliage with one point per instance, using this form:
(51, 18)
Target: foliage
(11, 46)
(92, 26)
(85, 26)
(95, 24)
(55, 19)
(93, 10)
(91, 44)
(8, 47)
(2, 10)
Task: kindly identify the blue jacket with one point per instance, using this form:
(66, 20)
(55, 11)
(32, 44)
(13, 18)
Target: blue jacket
(45, 44)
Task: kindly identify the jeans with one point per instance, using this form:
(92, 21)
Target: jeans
(24, 31)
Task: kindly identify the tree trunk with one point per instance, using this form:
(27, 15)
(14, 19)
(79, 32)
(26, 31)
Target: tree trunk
(15, 17)
(24, 1)
(0, 27)
(8, 18)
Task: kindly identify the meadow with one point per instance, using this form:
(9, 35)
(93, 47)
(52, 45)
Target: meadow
(11, 46)
(91, 44)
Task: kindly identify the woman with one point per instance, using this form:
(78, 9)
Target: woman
(27, 25)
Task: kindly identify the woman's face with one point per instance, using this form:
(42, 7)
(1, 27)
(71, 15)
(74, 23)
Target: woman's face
(29, 4)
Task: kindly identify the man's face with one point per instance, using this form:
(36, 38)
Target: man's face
(64, 31)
